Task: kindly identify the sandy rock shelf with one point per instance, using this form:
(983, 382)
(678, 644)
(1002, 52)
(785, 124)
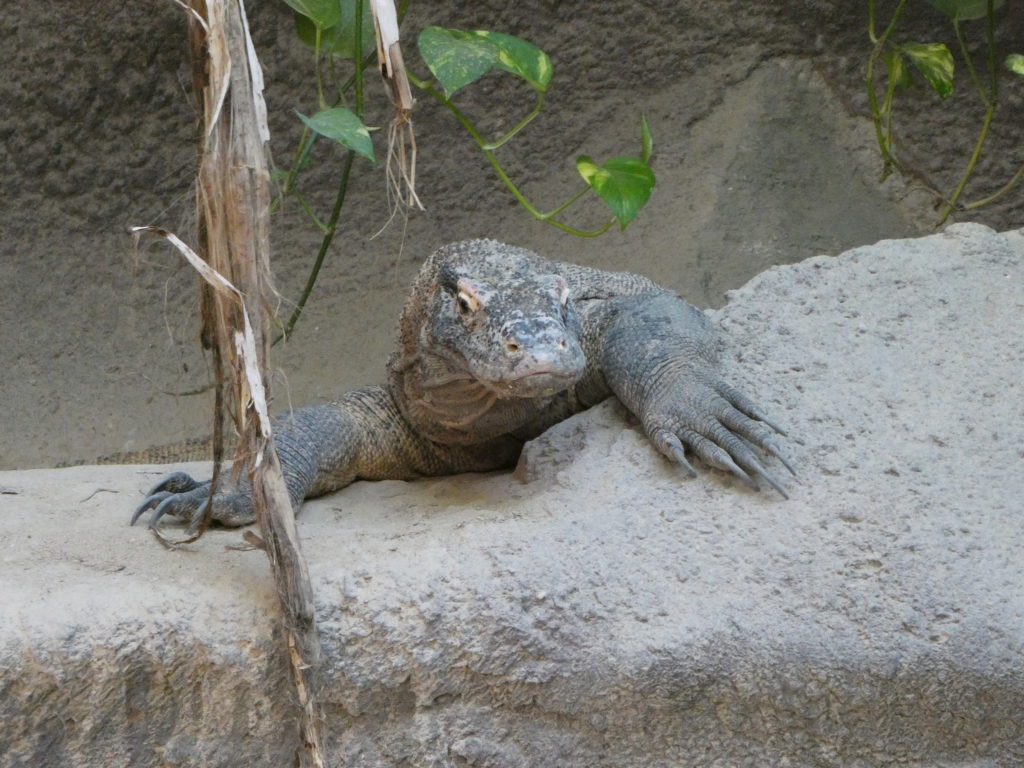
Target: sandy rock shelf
(608, 612)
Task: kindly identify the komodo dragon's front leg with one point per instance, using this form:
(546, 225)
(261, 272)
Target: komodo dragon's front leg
(323, 448)
(657, 355)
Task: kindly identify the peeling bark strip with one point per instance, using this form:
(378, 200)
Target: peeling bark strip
(233, 199)
(401, 159)
(389, 54)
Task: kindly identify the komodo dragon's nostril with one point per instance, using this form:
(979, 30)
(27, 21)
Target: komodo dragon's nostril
(512, 347)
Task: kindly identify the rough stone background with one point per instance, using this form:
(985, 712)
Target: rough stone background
(610, 612)
(763, 157)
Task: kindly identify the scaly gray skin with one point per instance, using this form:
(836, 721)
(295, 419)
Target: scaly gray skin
(497, 344)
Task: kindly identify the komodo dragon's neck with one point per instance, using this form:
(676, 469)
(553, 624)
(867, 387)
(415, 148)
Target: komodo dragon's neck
(451, 407)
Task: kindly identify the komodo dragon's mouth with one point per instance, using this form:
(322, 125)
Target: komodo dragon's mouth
(543, 383)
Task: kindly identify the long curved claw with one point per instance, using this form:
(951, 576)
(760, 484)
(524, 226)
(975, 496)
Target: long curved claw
(173, 495)
(675, 447)
(726, 451)
(162, 509)
(716, 456)
(773, 448)
(743, 454)
(765, 475)
(758, 414)
(725, 462)
(176, 482)
(753, 433)
(149, 502)
(197, 518)
(190, 501)
(672, 447)
(680, 458)
(747, 406)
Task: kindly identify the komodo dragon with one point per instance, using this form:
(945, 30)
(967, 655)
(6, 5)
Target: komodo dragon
(496, 344)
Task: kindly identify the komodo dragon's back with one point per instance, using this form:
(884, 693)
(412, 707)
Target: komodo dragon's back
(496, 344)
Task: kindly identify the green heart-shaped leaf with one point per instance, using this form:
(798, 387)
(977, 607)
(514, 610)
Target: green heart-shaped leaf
(934, 62)
(456, 58)
(323, 13)
(344, 127)
(623, 183)
(340, 38)
(1015, 63)
(520, 58)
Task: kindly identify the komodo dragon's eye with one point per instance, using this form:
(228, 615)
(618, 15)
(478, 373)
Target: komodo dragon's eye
(466, 303)
(563, 294)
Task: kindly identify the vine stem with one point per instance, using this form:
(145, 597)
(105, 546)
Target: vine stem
(962, 42)
(519, 126)
(316, 68)
(506, 180)
(306, 145)
(325, 244)
(883, 137)
(566, 204)
(310, 212)
(991, 102)
(357, 60)
(996, 195)
(969, 169)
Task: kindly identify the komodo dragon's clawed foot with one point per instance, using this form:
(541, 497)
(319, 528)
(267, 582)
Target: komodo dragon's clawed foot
(721, 426)
(180, 495)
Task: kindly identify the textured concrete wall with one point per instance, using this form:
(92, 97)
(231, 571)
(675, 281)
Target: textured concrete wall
(609, 612)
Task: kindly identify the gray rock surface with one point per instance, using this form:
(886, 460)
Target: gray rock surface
(608, 612)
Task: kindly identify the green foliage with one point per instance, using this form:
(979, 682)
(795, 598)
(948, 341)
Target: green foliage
(344, 127)
(338, 38)
(935, 63)
(343, 30)
(521, 58)
(323, 13)
(456, 58)
(623, 183)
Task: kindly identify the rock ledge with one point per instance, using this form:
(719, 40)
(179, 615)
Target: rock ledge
(609, 612)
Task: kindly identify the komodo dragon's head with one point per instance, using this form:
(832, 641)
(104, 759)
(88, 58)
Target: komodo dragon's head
(494, 314)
